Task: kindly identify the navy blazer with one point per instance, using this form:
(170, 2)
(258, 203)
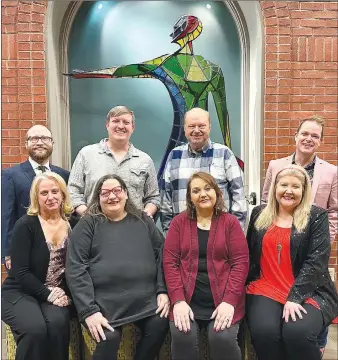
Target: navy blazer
(16, 182)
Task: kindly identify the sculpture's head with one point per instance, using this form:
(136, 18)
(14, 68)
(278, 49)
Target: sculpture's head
(187, 28)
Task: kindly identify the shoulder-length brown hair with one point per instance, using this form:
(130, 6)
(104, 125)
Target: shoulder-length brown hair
(302, 211)
(94, 207)
(219, 206)
(66, 207)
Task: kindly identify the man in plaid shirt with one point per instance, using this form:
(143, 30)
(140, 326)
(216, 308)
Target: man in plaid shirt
(201, 154)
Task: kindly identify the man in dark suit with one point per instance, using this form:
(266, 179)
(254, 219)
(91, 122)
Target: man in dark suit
(16, 182)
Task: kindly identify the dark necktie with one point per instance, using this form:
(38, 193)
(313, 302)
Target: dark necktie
(42, 168)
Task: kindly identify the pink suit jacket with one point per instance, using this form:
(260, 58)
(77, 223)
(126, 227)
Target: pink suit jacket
(324, 187)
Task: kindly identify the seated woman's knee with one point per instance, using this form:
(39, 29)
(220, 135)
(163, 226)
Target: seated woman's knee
(160, 324)
(58, 318)
(113, 336)
(180, 338)
(36, 330)
(265, 329)
(296, 331)
(224, 337)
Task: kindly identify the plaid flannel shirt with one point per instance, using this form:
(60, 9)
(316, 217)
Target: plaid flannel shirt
(215, 159)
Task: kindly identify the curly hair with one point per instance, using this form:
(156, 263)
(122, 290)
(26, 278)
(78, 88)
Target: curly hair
(94, 207)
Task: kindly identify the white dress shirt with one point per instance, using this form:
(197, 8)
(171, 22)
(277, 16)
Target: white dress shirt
(35, 166)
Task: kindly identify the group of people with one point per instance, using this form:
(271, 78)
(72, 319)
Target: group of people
(93, 248)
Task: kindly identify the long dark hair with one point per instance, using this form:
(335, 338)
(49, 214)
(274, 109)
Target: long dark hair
(94, 207)
(219, 205)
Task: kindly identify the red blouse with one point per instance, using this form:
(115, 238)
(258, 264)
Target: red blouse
(276, 277)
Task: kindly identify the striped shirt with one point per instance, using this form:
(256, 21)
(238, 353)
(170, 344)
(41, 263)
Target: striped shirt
(215, 159)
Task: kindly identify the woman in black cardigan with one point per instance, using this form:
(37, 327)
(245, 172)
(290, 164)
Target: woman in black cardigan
(34, 296)
(290, 294)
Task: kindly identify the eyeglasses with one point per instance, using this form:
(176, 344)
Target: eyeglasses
(44, 139)
(106, 192)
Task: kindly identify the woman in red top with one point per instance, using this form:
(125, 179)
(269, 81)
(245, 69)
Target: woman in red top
(290, 293)
(205, 266)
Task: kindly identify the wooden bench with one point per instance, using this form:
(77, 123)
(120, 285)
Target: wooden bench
(131, 335)
(74, 344)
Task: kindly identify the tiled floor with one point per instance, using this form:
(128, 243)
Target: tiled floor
(331, 352)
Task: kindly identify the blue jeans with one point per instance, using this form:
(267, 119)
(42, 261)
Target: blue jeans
(322, 337)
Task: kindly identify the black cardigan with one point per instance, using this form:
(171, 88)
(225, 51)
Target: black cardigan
(310, 252)
(30, 261)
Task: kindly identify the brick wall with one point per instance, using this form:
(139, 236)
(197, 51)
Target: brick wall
(300, 75)
(23, 75)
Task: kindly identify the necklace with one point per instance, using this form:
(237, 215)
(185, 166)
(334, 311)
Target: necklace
(204, 222)
(279, 249)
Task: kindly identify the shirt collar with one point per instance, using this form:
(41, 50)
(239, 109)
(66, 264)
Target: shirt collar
(35, 165)
(204, 149)
(103, 148)
(312, 163)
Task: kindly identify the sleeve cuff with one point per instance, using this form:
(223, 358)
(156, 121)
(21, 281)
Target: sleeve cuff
(231, 298)
(85, 313)
(176, 295)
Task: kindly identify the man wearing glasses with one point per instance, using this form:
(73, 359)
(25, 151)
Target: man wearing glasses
(16, 182)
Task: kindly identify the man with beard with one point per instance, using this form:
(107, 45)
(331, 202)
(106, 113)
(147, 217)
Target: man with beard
(323, 176)
(16, 182)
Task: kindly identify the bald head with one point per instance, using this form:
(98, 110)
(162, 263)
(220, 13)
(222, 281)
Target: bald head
(197, 113)
(39, 143)
(38, 130)
(197, 128)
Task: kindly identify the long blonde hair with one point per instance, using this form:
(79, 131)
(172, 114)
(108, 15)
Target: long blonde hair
(66, 206)
(302, 211)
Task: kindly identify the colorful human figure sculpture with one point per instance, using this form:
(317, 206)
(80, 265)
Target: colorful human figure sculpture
(189, 79)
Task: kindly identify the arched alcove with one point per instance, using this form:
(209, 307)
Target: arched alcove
(248, 18)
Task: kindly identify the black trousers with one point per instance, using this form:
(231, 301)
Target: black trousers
(41, 330)
(223, 344)
(275, 339)
(154, 329)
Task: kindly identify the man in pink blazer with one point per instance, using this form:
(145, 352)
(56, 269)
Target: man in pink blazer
(323, 177)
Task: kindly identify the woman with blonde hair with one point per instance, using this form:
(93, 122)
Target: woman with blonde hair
(35, 301)
(290, 295)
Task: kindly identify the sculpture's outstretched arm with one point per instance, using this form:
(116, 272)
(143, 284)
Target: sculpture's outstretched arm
(144, 69)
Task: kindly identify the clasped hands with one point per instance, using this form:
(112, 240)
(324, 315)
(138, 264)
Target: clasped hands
(223, 316)
(58, 297)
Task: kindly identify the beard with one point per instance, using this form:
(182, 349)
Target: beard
(40, 156)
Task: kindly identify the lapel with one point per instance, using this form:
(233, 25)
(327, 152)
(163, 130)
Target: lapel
(288, 160)
(259, 235)
(53, 168)
(295, 240)
(28, 170)
(317, 173)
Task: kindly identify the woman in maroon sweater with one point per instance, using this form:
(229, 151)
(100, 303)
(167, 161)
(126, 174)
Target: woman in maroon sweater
(205, 265)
